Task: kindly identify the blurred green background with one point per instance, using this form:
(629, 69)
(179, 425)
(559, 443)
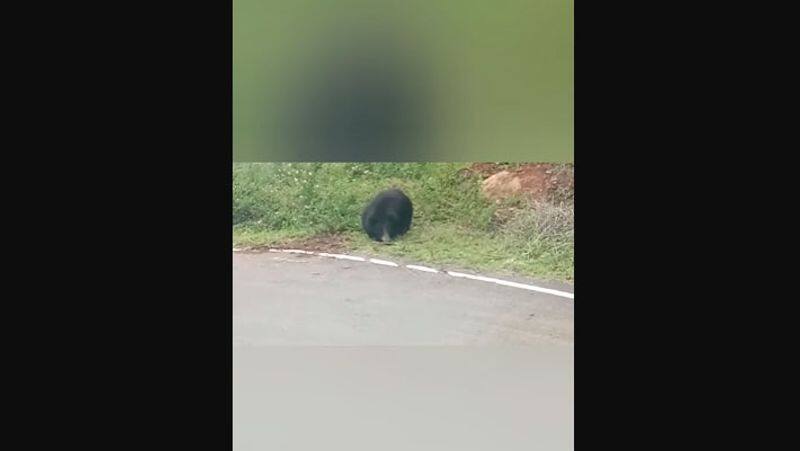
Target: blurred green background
(498, 75)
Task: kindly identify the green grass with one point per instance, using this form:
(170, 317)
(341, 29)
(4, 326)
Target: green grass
(277, 203)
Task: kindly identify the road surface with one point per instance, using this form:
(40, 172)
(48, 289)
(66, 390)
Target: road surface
(295, 299)
(362, 384)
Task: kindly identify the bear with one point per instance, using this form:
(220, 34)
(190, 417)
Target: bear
(388, 216)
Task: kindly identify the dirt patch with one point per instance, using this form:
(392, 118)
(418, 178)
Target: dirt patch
(488, 169)
(534, 181)
(318, 243)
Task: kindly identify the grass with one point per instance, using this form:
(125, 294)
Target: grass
(278, 203)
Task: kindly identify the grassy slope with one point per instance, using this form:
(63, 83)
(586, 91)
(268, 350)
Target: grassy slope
(276, 203)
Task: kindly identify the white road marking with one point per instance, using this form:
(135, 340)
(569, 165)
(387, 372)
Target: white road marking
(422, 268)
(342, 257)
(507, 283)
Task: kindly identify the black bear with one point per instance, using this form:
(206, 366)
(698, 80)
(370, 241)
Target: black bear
(387, 216)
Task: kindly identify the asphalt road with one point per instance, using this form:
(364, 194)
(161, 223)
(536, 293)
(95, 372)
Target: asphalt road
(290, 299)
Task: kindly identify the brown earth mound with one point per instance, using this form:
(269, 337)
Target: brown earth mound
(535, 181)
